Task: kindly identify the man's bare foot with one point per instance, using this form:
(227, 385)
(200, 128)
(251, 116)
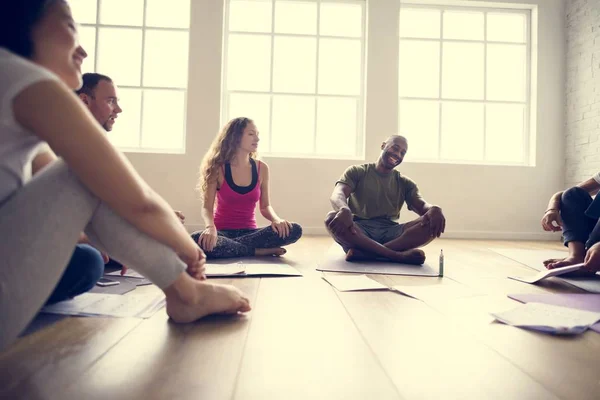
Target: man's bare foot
(274, 251)
(562, 262)
(414, 256)
(188, 301)
(356, 255)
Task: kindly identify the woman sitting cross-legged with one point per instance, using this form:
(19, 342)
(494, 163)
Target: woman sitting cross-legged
(231, 174)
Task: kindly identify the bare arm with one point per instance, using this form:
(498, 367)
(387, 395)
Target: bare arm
(339, 197)
(420, 206)
(42, 160)
(53, 113)
(266, 209)
(208, 206)
(590, 186)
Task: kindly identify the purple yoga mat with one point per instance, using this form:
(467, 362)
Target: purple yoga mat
(586, 302)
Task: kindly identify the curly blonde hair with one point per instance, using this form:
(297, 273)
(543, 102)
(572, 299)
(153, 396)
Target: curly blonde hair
(222, 150)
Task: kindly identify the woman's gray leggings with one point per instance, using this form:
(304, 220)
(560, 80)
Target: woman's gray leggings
(39, 228)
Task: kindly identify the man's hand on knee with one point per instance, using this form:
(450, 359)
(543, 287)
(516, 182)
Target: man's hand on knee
(436, 221)
(342, 222)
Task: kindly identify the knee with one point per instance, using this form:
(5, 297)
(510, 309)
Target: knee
(91, 265)
(575, 195)
(295, 232)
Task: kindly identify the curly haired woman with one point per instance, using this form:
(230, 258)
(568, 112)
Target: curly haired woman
(231, 174)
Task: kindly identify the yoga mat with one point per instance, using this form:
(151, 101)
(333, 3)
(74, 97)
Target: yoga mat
(534, 258)
(587, 302)
(335, 261)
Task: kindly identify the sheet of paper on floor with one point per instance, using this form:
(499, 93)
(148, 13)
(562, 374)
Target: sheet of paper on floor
(439, 292)
(549, 318)
(348, 283)
(111, 305)
(547, 274)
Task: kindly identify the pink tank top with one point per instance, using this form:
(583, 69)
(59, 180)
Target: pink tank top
(236, 204)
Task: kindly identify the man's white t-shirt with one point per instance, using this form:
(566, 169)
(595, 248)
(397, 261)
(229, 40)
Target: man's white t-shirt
(18, 146)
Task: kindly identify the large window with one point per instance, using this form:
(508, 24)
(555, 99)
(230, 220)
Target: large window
(297, 69)
(143, 46)
(464, 83)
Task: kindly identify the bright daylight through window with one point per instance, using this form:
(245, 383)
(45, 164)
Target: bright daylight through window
(297, 69)
(143, 46)
(464, 83)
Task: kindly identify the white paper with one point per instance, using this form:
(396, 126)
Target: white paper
(439, 292)
(271, 269)
(549, 318)
(347, 283)
(224, 269)
(547, 273)
(129, 274)
(112, 305)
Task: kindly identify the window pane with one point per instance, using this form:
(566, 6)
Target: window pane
(87, 40)
(84, 11)
(462, 76)
(419, 72)
(462, 131)
(249, 62)
(293, 124)
(119, 12)
(257, 108)
(294, 65)
(336, 126)
(506, 27)
(120, 55)
(166, 58)
(504, 132)
(338, 19)
(339, 66)
(126, 130)
(506, 72)
(419, 23)
(467, 25)
(295, 17)
(250, 15)
(168, 14)
(419, 123)
(163, 119)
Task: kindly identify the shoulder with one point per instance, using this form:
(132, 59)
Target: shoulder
(404, 180)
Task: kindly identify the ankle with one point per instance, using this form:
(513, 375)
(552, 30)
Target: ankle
(183, 289)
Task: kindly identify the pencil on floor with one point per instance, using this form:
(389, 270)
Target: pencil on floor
(441, 273)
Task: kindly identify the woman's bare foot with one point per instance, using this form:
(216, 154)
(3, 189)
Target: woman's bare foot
(562, 262)
(189, 299)
(274, 251)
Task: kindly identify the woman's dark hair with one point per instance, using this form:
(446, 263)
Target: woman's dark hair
(17, 18)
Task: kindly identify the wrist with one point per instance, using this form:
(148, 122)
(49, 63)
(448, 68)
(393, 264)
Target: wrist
(551, 209)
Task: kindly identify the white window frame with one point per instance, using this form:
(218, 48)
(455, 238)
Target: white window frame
(529, 124)
(97, 25)
(361, 104)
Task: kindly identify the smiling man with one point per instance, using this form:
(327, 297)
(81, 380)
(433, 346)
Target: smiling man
(367, 200)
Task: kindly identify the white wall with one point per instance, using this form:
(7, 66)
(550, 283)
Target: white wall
(479, 201)
(583, 90)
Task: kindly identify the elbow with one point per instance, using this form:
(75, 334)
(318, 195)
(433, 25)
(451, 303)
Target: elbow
(145, 203)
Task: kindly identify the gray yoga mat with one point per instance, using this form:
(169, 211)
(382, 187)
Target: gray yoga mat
(335, 261)
(534, 258)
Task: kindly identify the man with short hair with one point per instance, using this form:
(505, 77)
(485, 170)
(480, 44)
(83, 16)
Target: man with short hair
(367, 200)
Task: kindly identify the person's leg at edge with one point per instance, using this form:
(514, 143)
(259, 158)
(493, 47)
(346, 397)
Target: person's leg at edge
(576, 226)
(85, 267)
(35, 255)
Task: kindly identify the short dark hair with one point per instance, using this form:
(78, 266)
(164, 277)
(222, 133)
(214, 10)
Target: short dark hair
(17, 19)
(90, 81)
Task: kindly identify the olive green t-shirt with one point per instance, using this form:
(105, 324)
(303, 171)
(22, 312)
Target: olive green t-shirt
(377, 195)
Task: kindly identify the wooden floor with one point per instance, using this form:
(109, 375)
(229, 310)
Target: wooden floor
(305, 340)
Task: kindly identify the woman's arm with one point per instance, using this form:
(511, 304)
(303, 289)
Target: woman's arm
(53, 113)
(266, 209)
